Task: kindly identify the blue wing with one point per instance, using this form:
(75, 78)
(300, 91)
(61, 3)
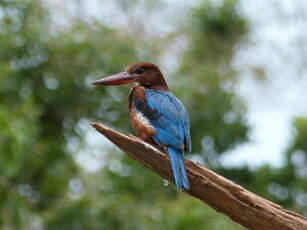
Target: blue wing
(169, 117)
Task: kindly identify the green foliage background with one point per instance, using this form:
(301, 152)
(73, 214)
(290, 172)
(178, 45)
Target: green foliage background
(46, 104)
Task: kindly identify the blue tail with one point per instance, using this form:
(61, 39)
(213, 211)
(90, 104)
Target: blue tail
(179, 171)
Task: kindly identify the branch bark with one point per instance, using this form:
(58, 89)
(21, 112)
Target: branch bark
(241, 205)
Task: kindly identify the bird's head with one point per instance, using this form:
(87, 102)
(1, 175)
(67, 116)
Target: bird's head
(145, 74)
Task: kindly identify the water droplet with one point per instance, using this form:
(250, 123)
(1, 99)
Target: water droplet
(166, 182)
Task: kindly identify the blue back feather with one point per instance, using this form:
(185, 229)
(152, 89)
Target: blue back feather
(171, 121)
(173, 124)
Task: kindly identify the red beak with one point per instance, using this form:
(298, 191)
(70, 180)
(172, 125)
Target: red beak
(116, 79)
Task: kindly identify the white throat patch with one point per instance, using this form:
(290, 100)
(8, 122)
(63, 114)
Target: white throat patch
(133, 84)
(142, 119)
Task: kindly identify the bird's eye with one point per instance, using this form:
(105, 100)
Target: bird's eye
(139, 71)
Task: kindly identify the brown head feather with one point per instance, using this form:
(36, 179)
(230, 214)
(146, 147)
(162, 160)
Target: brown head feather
(147, 75)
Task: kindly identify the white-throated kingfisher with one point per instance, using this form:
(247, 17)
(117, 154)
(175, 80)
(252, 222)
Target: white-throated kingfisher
(157, 116)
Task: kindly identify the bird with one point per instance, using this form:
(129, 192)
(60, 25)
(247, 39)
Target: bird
(157, 116)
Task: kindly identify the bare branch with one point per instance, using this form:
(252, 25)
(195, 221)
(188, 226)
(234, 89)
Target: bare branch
(241, 205)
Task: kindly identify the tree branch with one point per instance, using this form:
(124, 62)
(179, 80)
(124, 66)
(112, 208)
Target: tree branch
(223, 195)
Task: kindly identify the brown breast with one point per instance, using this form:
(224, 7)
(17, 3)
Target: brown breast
(140, 123)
